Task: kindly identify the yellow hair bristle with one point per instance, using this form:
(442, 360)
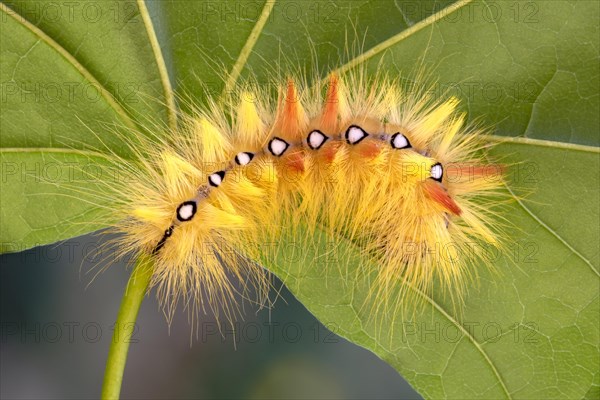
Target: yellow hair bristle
(212, 143)
(249, 127)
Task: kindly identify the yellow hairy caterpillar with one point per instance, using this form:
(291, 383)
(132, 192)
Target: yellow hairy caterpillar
(394, 171)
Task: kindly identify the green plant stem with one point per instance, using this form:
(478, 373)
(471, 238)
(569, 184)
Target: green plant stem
(125, 326)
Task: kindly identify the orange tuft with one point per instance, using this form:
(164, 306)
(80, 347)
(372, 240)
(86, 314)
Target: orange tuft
(331, 110)
(369, 149)
(295, 161)
(329, 151)
(436, 192)
(291, 119)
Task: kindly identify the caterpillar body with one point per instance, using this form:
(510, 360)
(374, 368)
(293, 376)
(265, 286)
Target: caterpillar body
(394, 171)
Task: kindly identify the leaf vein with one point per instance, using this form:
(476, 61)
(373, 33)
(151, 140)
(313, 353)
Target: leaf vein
(160, 63)
(248, 46)
(403, 35)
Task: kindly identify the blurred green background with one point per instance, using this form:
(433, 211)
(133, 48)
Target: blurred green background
(56, 330)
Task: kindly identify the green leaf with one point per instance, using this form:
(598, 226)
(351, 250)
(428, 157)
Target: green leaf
(115, 43)
(37, 206)
(69, 71)
(529, 69)
(244, 36)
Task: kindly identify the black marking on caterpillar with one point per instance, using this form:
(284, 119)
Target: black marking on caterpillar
(163, 240)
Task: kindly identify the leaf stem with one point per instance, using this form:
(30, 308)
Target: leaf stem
(125, 326)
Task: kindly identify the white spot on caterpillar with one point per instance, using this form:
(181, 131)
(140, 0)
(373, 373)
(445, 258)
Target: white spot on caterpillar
(243, 158)
(216, 179)
(399, 141)
(185, 212)
(316, 139)
(355, 134)
(278, 146)
(437, 171)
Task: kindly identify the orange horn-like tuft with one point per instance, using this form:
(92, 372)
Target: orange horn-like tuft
(439, 194)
